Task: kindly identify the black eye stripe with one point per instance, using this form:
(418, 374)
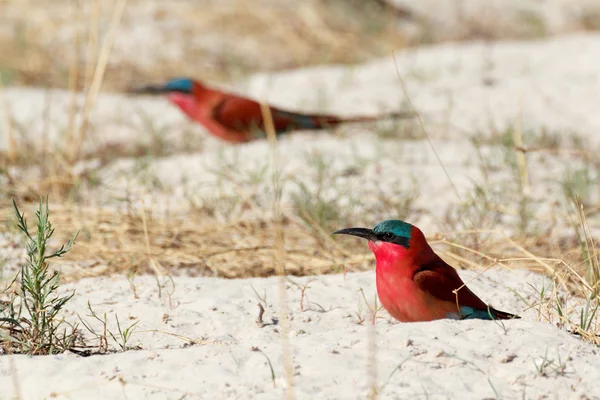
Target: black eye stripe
(391, 238)
(402, 241)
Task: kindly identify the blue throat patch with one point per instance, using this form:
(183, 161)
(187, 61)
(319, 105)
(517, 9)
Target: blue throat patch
(183, 85)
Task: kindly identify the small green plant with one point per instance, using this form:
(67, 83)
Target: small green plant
(551, 367)
(578, 184)
(100, 336)
(397, 129)
(477, 209)
(310, 201)
(31, 314)
(124, 334)
(121, 338)
(587, 314)
(397, 199)
(314, 208)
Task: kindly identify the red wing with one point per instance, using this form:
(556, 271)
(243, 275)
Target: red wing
(243, 114)
(439, 280)
(237, 113)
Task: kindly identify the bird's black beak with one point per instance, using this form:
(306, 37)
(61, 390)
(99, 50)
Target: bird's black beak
(360, 232)
(149, 89)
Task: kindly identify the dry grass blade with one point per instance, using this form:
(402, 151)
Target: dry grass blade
(97, 79)
(591, 256)
(426, 135)
(422, 125)
(520, 157)
(12, 143)
(155, 265)
(279, 251)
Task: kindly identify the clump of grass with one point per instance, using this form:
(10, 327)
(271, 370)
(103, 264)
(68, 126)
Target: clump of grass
(578, 183)
(31, 314)
(547, 366)
(313, 204)
(324, 210)
(313, 208)
(590, 256)
(121, 338)
(397, 129)
(476, 210)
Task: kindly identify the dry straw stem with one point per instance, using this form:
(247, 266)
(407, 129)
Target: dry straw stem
(372, 355)
(592, 261)
(422, 125)
(520, 155)
(12, 143)
(97, 79)
(279, 252)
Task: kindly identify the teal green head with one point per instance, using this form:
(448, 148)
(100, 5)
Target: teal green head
(392, 231)
(177, 85)
(181, 85)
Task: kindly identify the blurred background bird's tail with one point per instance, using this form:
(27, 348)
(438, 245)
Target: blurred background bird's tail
(307, 121)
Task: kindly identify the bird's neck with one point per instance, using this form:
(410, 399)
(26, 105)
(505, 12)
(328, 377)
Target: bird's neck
(198, 104)
(185, 102)
(206, 96)
(201, 109)
(398, 260)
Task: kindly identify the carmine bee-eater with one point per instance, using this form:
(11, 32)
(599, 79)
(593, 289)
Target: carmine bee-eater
(237, 119)
(414, 283)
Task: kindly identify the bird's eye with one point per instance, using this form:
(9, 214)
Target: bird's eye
(387, 236)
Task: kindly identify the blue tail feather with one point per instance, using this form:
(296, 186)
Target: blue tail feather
(476, 313)
(301, 121)
(473, 313)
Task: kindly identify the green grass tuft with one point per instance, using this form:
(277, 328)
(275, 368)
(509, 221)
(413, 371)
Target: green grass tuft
(30, 317)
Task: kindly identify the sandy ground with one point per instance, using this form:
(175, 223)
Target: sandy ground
(197, 37)
(465, 92)
(197, 342)
(501, 18)
(462, 90)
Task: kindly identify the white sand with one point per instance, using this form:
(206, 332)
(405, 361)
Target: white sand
(441, 359)
(553, 83)
(441, 19)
